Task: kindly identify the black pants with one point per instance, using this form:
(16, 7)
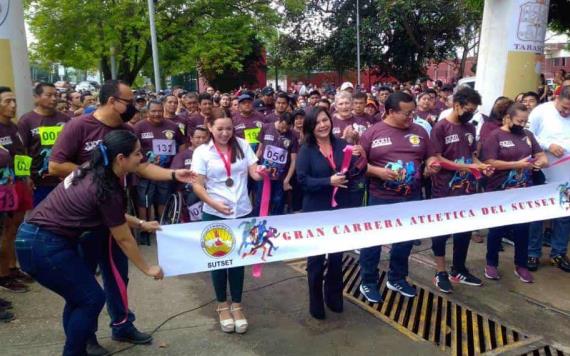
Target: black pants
(460, 247)
(332, 280)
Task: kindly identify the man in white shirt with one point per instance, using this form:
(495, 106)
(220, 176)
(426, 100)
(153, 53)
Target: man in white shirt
(550, 124)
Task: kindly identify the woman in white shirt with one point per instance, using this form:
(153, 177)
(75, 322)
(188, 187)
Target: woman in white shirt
(223, 165)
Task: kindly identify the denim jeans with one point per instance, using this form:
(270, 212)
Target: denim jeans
(94, 248)
(461, 242)
(370, 256)
(559, 239)
(276, 200)
(520, 237)
(54, 262)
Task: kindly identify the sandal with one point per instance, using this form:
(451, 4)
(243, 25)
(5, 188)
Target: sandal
(227, 325)
(240, 324)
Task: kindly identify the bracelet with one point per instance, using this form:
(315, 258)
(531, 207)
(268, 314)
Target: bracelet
(141, 222)
(173, 175)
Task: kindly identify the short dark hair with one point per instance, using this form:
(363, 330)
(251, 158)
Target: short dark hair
(39, 89)
(191, 95)
(5, 90)
(200, 128)
(532, 94)
(515, 108)
(283, 95)
(385, 88)
(310, 123)
(394, 100)
(109, 89)
(154, 102)
(467, 95)
(565, 92)
(359, 96)
(447, 87)
(325, 101)
(315, 92)
(69, 94)
(205, 96)
(287, 117)
(84, 94)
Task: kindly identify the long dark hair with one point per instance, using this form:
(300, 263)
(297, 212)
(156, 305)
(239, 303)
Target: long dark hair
(237, 152)
(499, 109)
(310, 123)
(101, 164)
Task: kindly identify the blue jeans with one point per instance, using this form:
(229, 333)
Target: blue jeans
(559, 240)
(370, 257)
(94, 248)
(276, 201)
(54, 262)
(520, 237)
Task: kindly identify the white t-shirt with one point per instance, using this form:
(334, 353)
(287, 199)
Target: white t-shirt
(549, 127)
(207, 162)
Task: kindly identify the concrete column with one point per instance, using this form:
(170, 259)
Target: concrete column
(511, 48)
(14, 65)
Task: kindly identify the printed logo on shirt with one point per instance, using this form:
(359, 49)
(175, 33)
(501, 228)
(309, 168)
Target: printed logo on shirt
(336, 130)
(5, 141)
(35, 131)
(240, 127)
(506, 144)
(470, 138)
(415, 140)
(379, 142)
(268, 138)
(90, 145)
(528, 142)
(187, 162)
(169, 134)
(286, 143)
(451, 139)
(68, 180)
(259, 124)
(147, 135)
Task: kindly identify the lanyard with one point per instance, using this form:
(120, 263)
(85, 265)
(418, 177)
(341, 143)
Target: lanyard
(226, 160)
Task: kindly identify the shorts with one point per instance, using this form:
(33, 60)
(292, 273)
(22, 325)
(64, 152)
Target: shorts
(152, 192)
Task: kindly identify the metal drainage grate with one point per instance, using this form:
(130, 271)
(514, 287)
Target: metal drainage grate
(546, 351)
(453, 327)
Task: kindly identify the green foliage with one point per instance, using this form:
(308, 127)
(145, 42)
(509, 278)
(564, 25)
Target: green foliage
(213, 35)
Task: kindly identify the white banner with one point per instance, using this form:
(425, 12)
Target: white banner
(206, 246)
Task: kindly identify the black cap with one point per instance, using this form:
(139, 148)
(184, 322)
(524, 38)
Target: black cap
(267, 91)
(140, 97)
(259, 105)
(245, 96)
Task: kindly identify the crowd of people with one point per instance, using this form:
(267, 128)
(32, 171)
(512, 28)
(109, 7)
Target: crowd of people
(73, 167)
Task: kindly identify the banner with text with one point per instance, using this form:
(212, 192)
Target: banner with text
(205, 246)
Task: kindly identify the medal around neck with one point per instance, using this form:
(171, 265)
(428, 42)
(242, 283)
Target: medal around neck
(229, 182)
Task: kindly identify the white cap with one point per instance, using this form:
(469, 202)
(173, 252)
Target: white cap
(346, 85)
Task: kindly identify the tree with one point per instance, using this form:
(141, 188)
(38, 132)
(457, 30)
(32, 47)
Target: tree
(213, 35)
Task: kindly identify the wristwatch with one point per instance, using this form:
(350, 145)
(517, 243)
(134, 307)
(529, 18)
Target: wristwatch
(174, 175)
(141, 222)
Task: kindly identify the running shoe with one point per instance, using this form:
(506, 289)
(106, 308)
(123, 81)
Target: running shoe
(402, 287)
(562, 262)
(13, 285)
(464, 278)
(491, 272)
(523, 274)
(370, 292)
(533, 263)
(441, 281)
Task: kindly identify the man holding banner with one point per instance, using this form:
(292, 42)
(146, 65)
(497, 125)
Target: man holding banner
(39, 130)
(550, 123)
(396, 148)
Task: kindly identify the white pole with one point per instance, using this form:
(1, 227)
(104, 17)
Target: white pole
(358, 43)
(113, 64)
(155, 63)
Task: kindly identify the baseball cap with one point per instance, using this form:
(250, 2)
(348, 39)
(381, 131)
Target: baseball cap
(346, 85)
(267, 91)
(244, 96)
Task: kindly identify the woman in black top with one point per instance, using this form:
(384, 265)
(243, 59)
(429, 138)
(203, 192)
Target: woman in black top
(318, 165)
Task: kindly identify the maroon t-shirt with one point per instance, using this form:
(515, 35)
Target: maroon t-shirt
(365, 118)
(277, 150)
(159, 143)
(455, 142)
(248, 127)
(272, 117)
(182, 160)
(183, 123)
(11, 145)
(430, 116)
(506, 146)
(487, 128)
(402, 151)
(340, 125)
(196, 120)
(72, 208)
(80, 137)
(40, 147)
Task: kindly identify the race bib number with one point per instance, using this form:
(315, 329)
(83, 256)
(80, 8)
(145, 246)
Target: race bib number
(49, 134)
(8, 198)
(251, 135)
(22, 165)
(275, 154)
(195, 211)
(164, 147)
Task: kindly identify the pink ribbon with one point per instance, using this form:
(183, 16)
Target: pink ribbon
(343, 169)
(560, 161)
(256, 269)
(455, 167)
(120, 283)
